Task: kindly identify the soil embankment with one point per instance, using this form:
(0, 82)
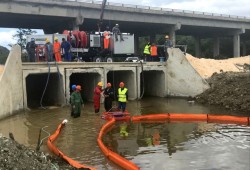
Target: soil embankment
(16, 156)
(229, 81)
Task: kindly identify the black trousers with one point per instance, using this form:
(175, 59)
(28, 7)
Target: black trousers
(108, 104)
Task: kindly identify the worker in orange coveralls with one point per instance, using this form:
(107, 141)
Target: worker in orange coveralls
(106, 39)
(57, 50)
(97, 96)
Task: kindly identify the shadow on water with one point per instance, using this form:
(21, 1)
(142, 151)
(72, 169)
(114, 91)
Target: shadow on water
(150, 146)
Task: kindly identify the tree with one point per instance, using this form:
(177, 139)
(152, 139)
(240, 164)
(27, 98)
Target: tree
(21, 35)
(4, 52)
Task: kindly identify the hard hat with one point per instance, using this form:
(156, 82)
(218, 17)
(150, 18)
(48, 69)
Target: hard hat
(166, 36)
(100, 84)
(73, 87)
(56, 39)
(116, 24)
(47, 40)
(78, 87)
(108, 84)
(121, 84)
(32, 39)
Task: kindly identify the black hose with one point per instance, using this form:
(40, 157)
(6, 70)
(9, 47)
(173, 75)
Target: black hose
(41, 100)
(142, 82)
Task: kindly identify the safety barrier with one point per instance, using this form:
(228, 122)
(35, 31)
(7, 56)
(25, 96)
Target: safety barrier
(153, 118)
(163, 118)
(114, 157)
(56, 151)
(178, 117)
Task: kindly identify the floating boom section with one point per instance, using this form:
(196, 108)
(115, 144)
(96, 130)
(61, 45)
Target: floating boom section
(114, 157)
(152, 118)
(163, 118)
(56, 151)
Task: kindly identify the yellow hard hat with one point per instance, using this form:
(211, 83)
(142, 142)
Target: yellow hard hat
(55, 38)
(100, 84)
(166, 36)
(47, 40)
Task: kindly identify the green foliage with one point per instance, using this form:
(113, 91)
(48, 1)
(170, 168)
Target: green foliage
(4, 52)
(21, 36)
(186, 40)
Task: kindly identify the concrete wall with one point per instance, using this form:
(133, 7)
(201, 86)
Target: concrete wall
(11, 87)
(182, 79)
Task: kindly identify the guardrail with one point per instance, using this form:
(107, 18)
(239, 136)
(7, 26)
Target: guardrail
(169, 10)
(161, 9)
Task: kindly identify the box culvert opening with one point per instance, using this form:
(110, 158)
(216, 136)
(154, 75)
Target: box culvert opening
(87, 81)
(153, 83)
(35, 86)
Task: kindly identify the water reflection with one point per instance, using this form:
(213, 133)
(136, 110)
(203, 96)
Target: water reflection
(151, 146)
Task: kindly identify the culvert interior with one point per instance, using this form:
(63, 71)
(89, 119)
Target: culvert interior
(87, 81)
(126, 76)
(39, 94)
(153, 83)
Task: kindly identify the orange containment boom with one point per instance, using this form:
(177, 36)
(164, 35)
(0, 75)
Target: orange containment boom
(163, 118)
(56, 151)
(114, 157)
(186, 117)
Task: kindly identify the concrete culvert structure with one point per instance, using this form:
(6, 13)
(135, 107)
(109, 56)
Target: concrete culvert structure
(87, 81)
(152, 83)
(126, 76)
(42, 91)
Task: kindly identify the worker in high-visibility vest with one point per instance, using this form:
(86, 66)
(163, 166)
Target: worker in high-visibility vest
(122, 97)
(146, 51)
(57, 50)
(106, 39)
(153, 52)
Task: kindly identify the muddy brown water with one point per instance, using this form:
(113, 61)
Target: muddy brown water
(170, 146)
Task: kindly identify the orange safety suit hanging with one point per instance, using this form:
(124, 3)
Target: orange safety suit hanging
(57, 51)
(106, 39)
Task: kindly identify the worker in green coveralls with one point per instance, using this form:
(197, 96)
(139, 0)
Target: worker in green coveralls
(76, 102)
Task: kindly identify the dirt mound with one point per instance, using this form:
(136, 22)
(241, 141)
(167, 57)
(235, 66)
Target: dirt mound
(206, 67)
(228, 89)
(16, 156)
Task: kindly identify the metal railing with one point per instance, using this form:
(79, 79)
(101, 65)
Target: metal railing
(162, 9)
(168, 10)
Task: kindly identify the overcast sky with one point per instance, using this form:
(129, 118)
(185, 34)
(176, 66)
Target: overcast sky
(229, 7)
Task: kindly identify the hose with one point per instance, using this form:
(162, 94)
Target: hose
(45, 88)
(41, 141)
(142, 94)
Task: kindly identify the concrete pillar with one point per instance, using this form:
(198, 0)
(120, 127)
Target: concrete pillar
(197, 46)
(172, 35)
(216, 47)
(77, 22)
(236, 41)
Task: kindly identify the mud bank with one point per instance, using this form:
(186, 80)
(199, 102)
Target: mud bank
(228, 89)
(18, 157)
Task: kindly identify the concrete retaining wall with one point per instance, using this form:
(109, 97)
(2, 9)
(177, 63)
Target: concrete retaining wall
(182, 78)
(11, 87)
